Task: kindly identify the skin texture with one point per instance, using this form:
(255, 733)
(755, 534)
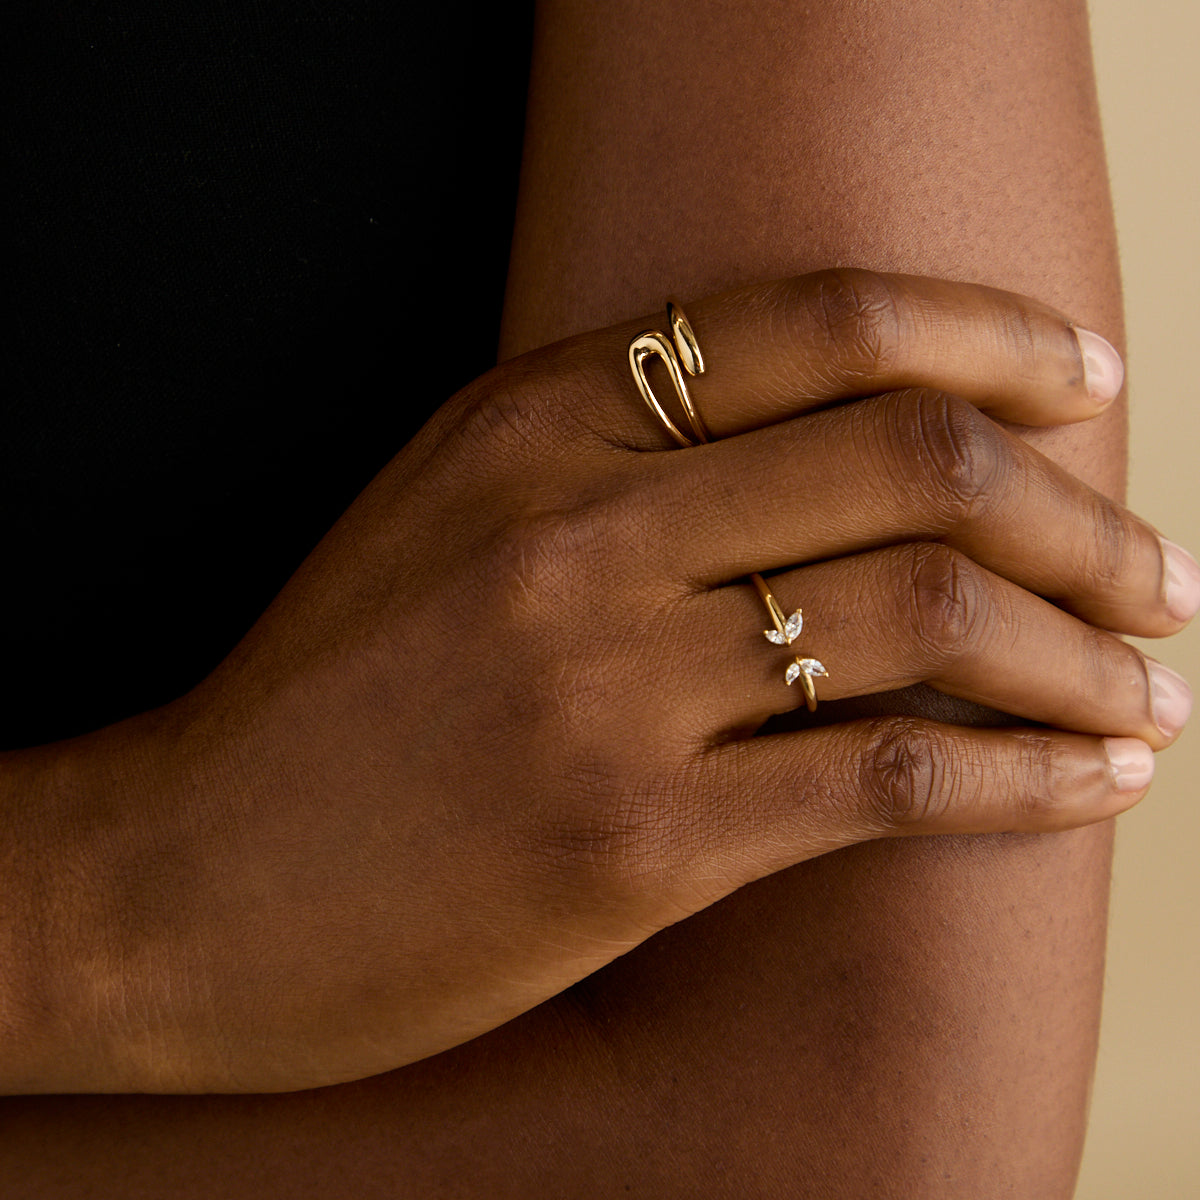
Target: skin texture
(587, 789)
(960, 140)
(957, 1002)
(900, 1019)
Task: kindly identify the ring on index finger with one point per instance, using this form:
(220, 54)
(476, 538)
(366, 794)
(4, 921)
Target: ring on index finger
(679, 353)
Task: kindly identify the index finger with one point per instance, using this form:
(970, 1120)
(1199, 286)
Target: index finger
(776, 350)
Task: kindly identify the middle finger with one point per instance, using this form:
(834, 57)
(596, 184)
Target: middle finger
(911, 466)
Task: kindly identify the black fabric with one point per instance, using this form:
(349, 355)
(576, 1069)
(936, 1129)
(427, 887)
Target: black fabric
(231, 223)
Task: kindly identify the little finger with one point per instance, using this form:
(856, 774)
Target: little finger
(762, 804)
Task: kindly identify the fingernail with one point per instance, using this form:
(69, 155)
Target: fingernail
(1132, 763)
(1170, 698)
(1181, 573)
(1103, 370)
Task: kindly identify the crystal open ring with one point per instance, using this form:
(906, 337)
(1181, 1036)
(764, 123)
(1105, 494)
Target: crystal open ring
(680, 354)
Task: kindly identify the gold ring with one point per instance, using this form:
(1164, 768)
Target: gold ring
(680, 354)
(786, 631)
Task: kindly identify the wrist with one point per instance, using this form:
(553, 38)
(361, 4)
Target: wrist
(64, 991)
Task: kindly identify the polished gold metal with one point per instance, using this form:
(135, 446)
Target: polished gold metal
(654, 344)
(810, 691)
(685, 339)
(679, 353)
(783, 635)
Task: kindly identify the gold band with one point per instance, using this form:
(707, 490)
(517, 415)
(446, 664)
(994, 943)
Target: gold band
(680, 353)
(786, 631)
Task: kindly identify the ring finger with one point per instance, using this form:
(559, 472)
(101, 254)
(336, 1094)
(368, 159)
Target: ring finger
(924, 613)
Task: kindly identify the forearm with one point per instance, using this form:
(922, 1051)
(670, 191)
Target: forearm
(939, 1000)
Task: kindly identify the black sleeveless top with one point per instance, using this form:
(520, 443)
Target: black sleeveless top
(233, 224)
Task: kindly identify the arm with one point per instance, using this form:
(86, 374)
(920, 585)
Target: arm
(948, 993)
(632, 1073)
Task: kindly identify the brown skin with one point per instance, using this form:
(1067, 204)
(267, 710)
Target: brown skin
(936, 1000)
(292, 896)
(941, 1006)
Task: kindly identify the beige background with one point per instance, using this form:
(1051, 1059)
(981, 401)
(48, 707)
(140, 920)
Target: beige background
(1144, 1138)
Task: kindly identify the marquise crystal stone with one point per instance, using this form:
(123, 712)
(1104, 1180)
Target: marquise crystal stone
(808, 666)
(791, 630)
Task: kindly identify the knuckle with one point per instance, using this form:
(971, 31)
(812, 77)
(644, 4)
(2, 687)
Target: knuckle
(947, 598)
(525, 406)
(1113, 549)
(536, 561)
(1021, 335)
(612, 840)
(555, 588)
(857, 316)
(1034, 774)
(905, 781)
(544, 556)
(1108, 667)
(954, 450)
(503, 417)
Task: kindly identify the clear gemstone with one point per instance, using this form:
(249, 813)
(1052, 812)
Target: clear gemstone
(774, 636)
(811, 667)
(792, 626)
(792, 673)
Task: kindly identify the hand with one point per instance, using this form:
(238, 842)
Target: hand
(496, 730)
